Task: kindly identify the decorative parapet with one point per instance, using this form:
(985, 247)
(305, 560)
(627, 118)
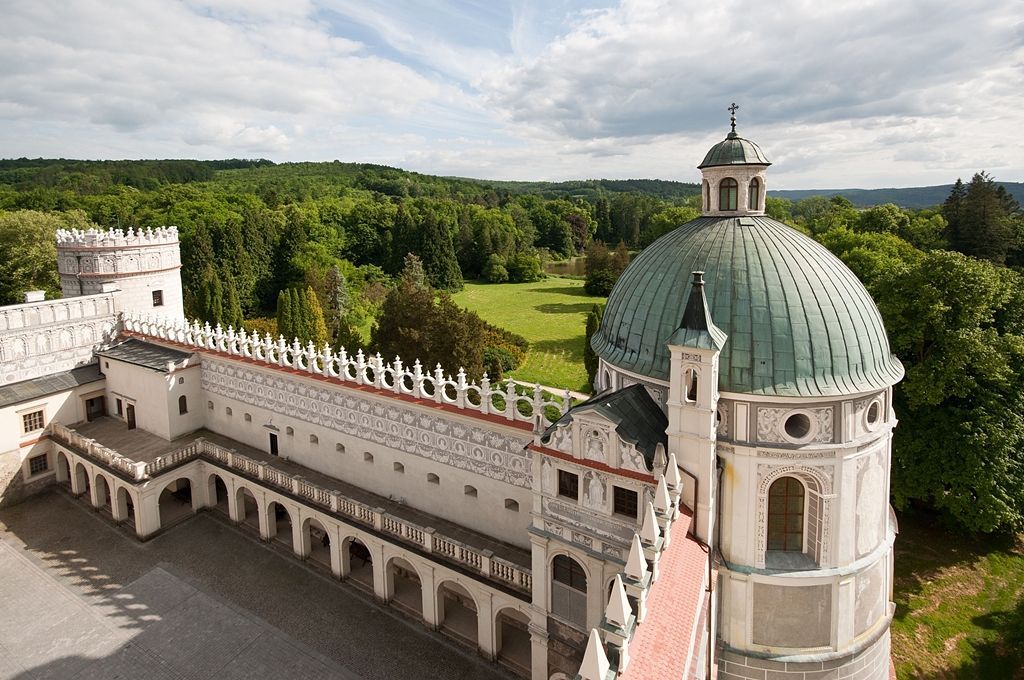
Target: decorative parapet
(329, 500)
(539, 408)
(94, 238)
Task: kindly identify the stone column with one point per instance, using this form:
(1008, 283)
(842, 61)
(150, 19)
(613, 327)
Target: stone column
(118, 508)
(334, 531)
(428, 591)
(485, 626)
(264, 515)
(538, 653)
(379, 573)
(300, 538)
(147, 513)
(94, 494)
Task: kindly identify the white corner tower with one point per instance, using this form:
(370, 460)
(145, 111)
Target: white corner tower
(142, 269)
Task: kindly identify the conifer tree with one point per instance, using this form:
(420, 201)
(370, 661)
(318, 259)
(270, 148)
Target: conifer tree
(300, 317)
(590, 359)
(232, 306)
(316, 331)
(285, 318)
(336, 294)
(197, 255)
(979, 224)
(211, 298)
(439, 261)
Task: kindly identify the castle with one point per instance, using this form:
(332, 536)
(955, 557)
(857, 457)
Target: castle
(717, 509)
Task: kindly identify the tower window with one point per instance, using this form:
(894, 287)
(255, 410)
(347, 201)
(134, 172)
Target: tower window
(469, 491)
(158, 298)
(728, 192)
(707, 195)
(182, 405)
(754, 195)
(786, 515)
(691, 384)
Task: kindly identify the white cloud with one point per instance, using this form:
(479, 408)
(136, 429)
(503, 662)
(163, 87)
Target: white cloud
(841, 93)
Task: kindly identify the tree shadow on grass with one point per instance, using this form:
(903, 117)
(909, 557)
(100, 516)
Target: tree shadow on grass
(569, 346)
(578, 291)
(1003, 658)
(928, 545)
(564, 307)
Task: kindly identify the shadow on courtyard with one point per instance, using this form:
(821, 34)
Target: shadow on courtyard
(200, 601)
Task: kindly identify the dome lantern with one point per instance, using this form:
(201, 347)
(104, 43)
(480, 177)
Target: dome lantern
(733, 171)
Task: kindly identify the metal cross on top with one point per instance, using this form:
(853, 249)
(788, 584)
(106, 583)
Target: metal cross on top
(732, 117)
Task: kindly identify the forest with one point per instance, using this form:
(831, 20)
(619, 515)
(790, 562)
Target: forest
(322, 251)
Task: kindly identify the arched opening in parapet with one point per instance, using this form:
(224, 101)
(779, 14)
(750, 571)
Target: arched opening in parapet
(248, 508)
(404, 586)
(63, 469)
(360, 562)
(219, 494)
(81, 479)
(457, 612)
(512, 634)
(175, 502)
(569, 590)
(279, 523)
(317, 542)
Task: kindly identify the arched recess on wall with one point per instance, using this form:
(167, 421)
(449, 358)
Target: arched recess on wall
(817, 512)
(569, 581)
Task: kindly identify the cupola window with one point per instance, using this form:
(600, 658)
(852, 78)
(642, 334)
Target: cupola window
(786, 515)
(754, 198)
(728, 191)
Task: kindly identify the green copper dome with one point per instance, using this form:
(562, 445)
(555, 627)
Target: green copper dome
(734, 150)
(799, 323)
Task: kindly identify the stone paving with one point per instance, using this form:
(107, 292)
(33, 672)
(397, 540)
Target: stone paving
(81, 599)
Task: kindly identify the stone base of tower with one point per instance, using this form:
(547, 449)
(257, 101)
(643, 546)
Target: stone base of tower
(869, 663)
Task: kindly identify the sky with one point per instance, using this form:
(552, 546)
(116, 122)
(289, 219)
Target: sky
(838, 94)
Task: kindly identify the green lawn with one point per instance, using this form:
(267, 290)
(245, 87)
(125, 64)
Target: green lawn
(959, 604)
(551, 314)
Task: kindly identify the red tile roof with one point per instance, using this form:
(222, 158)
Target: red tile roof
(663, 646)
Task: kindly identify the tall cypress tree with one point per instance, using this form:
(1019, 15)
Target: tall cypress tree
(317, 329)
(438, 255)
(211, 298)
(300, 317)
(232, 306)
(285, 318)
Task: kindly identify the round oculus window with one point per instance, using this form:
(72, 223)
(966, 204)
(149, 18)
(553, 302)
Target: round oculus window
(798, 426)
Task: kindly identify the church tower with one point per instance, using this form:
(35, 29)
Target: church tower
(141, 268)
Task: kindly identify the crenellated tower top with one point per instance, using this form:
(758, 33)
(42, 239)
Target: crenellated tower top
(116, 238)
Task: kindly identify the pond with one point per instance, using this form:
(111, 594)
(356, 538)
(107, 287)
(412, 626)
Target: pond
(574, 266)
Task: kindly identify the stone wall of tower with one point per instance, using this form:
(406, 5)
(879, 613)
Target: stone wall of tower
(142, 269)
(743, 174)
(831, 598)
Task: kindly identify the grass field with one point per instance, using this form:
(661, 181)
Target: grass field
(551, 314)
(959, 604)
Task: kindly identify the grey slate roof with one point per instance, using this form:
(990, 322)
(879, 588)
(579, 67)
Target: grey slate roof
(142, 353)
(638, 419)
(26, 390)
(798, 321)
(734, 150)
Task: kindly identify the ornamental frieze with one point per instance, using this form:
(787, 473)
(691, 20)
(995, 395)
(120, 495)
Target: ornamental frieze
(428, 435)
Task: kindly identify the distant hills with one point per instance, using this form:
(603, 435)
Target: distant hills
(908, 197)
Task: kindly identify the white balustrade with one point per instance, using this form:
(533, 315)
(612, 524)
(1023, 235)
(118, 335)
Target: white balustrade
(515, 404)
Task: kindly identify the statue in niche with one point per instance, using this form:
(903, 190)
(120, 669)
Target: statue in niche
(546, 476)
(594, 494)
(595, 446)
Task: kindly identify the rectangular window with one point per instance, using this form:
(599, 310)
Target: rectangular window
(38, 464)
(32, 421)
(119, 407)
(625, 502)
(158, 298)
(568, 485)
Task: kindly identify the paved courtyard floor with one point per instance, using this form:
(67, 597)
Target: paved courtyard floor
(80, 599)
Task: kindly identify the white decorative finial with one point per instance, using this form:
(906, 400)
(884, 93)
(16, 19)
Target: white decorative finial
(595, 662)
(672, 473)
(636, 565)
(618, 610)
(662, 501)
(650, 532)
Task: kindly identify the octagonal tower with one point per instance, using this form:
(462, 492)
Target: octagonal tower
(784, 416)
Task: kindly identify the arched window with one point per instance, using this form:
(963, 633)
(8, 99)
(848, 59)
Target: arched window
(569, 590)
(754, 195)
(786, 515)
(728, 192)
(182, 405)
(707, 195)
(690, 384)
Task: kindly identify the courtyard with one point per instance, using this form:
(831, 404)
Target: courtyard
(84, 599)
